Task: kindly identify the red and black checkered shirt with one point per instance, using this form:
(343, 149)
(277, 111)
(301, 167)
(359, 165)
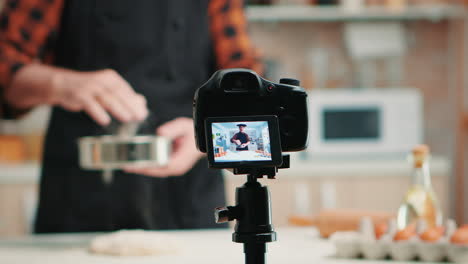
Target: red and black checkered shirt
(27, 29)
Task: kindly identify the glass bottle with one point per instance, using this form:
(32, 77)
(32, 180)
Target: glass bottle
(420, 202)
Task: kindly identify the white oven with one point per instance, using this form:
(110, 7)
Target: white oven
(364, 121)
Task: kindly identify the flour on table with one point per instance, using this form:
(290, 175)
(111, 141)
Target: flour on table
(134, 243)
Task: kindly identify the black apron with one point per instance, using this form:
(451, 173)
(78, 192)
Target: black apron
(164, 50)
(244, 138)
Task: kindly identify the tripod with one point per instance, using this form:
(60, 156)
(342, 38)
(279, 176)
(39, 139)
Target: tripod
(252, 213)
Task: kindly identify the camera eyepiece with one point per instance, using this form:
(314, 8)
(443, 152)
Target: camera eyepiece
(240, 82)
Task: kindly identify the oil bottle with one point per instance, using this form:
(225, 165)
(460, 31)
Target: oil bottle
(420, 202)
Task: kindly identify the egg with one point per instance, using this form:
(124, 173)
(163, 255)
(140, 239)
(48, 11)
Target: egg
(460, 237)
(405, 234)
(380, 229)
(433, 234)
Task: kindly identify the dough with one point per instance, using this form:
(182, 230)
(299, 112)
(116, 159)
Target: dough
(134, 243)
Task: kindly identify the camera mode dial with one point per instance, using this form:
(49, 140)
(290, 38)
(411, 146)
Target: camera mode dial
(290, 81)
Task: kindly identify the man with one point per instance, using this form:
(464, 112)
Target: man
(94, 60)
(241, 139)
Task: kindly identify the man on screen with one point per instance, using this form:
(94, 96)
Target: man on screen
(241, 139)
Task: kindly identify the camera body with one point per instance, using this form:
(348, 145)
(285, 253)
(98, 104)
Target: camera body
(240, 92)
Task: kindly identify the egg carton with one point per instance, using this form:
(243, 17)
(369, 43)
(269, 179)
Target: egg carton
(363, 244)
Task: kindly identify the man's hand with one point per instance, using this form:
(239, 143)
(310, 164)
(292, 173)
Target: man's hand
(237, 142)
(243, 145)
(99, 94)
(184, 155)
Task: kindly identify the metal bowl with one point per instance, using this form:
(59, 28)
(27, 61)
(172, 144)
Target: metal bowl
(116, 152)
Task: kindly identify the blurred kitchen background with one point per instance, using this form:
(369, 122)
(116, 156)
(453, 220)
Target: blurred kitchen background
(385, 74)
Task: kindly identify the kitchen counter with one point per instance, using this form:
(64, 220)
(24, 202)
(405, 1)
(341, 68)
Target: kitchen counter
(294, 245)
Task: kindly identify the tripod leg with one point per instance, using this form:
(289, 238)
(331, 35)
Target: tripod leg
(254, 253)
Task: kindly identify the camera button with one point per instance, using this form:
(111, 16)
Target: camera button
(290, 81)
(270, 87)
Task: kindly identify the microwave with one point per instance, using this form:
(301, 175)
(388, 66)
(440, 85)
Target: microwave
(359, 122)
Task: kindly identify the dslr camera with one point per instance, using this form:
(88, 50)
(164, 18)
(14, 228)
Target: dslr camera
(244, 121)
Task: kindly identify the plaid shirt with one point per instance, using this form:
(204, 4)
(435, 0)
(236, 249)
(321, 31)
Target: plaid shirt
(28, 29)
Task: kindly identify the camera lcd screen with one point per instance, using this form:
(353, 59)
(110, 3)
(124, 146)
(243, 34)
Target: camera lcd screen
(243, 141)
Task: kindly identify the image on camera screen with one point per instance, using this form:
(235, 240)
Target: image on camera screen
(241, 141)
